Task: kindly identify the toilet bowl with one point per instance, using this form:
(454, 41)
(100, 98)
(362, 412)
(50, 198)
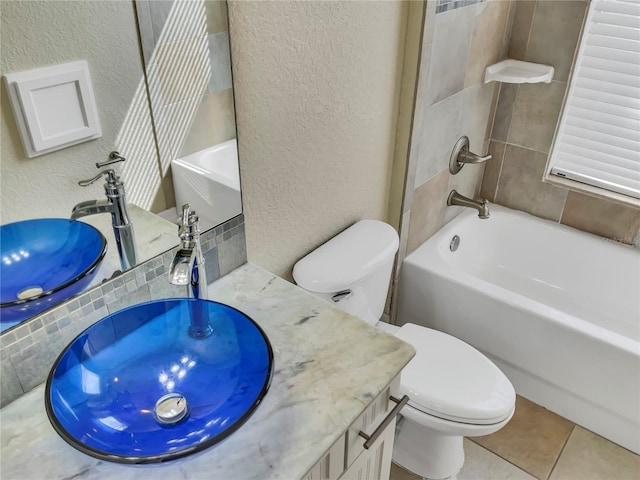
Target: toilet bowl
(454, 390)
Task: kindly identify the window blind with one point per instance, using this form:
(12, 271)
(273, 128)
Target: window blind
(598, 140)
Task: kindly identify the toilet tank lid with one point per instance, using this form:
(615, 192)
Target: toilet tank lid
(347, 258)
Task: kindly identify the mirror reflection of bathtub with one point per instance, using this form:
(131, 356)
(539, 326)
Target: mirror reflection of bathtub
(209, 180)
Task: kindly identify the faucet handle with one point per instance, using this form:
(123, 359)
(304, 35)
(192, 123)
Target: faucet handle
(461, 156)
(114, 157)
(112, 177)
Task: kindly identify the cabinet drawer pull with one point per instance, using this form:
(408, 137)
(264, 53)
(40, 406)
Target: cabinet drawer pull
(370, 439)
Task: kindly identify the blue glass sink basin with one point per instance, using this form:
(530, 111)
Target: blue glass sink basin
(137, 388)
(44, 262)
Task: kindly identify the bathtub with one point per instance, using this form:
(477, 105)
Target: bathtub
(558, 310)
(209, 180)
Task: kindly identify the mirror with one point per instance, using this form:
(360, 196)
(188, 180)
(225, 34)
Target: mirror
(161, 77)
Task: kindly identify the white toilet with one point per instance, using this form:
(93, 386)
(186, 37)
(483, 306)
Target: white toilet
(454, 390)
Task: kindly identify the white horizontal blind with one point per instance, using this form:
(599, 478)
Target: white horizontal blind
(598, 140)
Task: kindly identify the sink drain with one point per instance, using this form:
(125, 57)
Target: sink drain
(29, 292)
(170, 409)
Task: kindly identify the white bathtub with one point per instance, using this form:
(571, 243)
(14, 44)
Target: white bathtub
(209, 180)
(557, 309)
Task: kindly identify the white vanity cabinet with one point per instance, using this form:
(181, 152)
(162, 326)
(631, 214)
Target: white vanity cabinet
(347, 459)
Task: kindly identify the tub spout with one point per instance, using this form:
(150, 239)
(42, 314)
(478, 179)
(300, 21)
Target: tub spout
(460, 200)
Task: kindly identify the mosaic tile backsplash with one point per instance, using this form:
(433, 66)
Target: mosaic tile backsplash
(446, 5)
(28, 351)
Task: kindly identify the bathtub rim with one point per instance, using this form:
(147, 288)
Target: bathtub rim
(428, 251)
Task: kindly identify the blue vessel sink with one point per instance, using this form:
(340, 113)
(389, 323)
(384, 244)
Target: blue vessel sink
(136, 387)
(44, 262)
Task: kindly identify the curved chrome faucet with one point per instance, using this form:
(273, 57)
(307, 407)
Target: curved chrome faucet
(116, 205)
(187, 268)
(460, 200)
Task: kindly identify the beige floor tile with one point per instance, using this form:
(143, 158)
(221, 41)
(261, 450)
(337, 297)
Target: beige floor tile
(481, 464)
(532, 440)
(399, 473)
(588, 456)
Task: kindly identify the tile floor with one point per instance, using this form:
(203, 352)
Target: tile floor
(540, 445)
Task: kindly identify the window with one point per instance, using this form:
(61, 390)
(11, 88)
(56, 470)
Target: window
(598, 138)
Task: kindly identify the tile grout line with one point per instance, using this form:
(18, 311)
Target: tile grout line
(509, 461)
(561, 451)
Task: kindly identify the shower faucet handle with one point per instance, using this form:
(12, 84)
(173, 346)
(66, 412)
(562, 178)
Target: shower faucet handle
(461, 156)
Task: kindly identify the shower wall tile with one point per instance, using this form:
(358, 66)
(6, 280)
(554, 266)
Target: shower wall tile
(160, 10)
(451, 42)
(417, 138)
(520, 185)
(601, 217)
(216, 12)
(487, 39)
(535, 114)
(145, 27)
(223, 115)
(441, 127)
(478, 105)
(27, 352)
(521, 28)
(429, 24)
(428, 210)
(173, 20)
(504, 111)
(545, 31)
(182, 69)
(213, 123)
(492, 171)
(555, 29)
(220, 58)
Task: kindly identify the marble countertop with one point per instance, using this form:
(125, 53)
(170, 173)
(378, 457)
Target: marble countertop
(328, 367)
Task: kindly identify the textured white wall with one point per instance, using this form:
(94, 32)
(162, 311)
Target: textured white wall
(317, 87)
(41, 33)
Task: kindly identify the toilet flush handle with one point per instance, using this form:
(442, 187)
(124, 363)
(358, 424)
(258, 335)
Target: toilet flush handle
(342, 295)
(371, 439)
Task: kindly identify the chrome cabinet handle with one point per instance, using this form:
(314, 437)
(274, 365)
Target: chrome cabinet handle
(370, 439)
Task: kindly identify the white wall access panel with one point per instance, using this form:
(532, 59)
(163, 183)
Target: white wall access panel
(54, 107)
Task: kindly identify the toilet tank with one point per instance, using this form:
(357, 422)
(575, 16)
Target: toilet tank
(353, 269)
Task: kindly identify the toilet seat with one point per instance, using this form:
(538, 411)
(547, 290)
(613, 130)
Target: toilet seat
(451, 380)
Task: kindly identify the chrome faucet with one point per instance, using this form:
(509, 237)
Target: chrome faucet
(116, 205)
(460, 200)
(187, 268)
